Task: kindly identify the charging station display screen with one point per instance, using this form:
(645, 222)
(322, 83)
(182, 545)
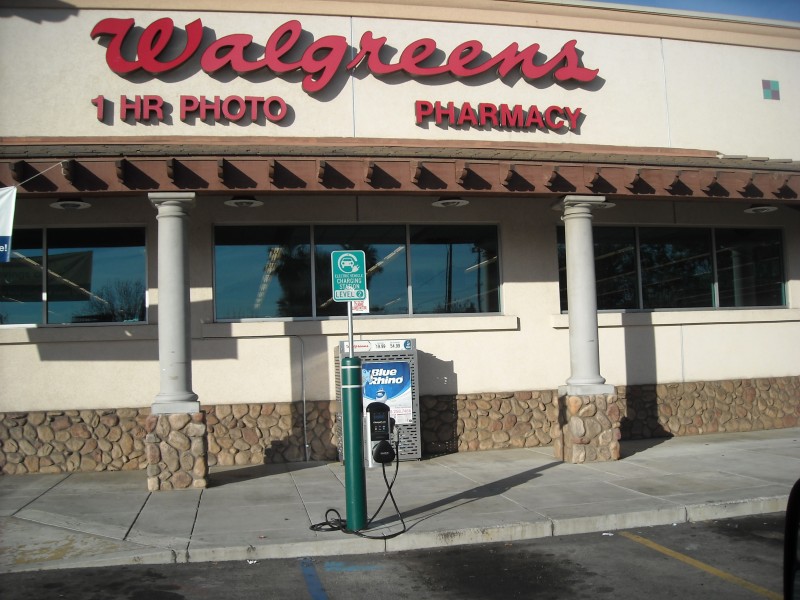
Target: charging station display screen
(389, 382)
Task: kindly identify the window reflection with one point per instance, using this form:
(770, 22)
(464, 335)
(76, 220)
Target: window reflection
(267, 272)
(615, 268)
(21, 280)
(95, 275)
(384, 249)
(750, 267)
(262, 272)
(454, 269)
(677, 270)
(676, 267)
(89, 276)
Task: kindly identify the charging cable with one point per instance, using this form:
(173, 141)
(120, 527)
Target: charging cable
(334, 522)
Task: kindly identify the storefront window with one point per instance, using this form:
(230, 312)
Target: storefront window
(384, 249)
(95, 275)
(262, 272)
(670, 267)
(454, 269)
(676, 267)
(74, 276)
(274, 272)
(750, 267)
(615, 268)
(21, 280)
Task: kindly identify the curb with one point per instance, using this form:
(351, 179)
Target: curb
(348, 545)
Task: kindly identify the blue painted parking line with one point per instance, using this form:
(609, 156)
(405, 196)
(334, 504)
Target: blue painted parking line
(340, 567)
(313, 584)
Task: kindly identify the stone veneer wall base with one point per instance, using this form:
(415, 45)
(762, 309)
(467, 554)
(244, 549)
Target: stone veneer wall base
(65, 441)
(175, 446)
(587, 434)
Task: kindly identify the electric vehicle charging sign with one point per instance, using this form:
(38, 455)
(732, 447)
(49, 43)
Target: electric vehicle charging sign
(349, 275)
(389, 382)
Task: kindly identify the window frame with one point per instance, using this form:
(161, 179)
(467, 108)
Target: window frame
(715, 282)
(45, 299)
(314, 316)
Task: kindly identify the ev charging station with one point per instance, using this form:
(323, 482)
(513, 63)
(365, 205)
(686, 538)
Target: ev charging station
(378, 434)
(366, 430)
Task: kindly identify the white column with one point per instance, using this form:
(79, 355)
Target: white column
(174, 335)
(584, 349)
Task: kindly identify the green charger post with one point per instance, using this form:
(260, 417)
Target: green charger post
(354, 476)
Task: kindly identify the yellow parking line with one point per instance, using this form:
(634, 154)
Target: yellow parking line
(703, 566)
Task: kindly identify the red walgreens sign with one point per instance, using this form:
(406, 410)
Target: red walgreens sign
(322, 58)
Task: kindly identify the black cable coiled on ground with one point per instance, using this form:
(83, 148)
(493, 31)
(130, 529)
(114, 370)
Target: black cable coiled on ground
(334, 522)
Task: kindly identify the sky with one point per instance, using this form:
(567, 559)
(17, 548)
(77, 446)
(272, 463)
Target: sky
(784, 10)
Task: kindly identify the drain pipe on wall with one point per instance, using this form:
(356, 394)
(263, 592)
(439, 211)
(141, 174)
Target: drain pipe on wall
(303, 392)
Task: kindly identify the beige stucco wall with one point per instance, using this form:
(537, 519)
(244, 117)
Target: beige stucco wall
(654, 91)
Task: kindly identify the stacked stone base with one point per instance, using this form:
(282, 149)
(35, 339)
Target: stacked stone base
(589, 429)
(467, 422)
(65, 441)
(254, 434)
(175, 446)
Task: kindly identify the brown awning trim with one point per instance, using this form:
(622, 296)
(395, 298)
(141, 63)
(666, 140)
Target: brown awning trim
(388, 167)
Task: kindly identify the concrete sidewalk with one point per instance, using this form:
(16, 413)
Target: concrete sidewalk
(260, 512)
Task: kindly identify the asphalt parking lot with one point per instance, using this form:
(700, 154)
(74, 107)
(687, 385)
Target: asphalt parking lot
(729, 559)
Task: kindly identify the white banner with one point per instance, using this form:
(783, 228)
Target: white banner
(8, 198)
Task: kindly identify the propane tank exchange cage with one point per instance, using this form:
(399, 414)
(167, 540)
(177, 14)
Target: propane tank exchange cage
(391, 361)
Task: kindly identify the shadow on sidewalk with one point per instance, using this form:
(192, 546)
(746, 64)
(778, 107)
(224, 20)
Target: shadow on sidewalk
(220, 476)
(487, 490)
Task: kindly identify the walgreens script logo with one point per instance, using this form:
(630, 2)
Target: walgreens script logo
(321, 59)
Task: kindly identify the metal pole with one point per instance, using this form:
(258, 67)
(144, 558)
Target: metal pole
(350, 328)
(354, 476)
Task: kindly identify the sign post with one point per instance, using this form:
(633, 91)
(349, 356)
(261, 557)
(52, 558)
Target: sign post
(349, 283)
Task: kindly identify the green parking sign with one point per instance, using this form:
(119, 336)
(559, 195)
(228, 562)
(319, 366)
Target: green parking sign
(349, 275)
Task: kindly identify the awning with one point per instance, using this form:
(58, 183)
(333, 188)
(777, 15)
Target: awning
(257, 166)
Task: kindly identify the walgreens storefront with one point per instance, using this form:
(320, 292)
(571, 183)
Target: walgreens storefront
(555, 202)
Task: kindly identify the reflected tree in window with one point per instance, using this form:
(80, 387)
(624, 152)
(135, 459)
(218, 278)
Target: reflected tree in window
(122, 300)
(617, 279)
(615, 268)
(293, 271)
(95, 275)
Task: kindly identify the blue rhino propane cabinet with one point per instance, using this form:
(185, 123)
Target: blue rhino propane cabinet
(388, 375)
